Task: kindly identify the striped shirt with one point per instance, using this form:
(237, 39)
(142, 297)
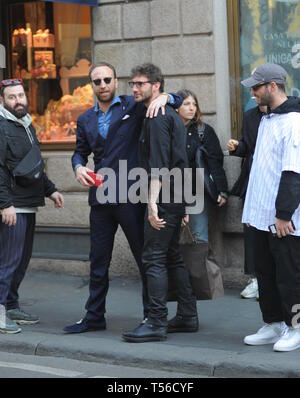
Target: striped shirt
(277, 150)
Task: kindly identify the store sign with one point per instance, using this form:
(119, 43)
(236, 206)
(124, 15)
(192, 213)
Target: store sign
(2, 56)
(270, 33)
(81, 2)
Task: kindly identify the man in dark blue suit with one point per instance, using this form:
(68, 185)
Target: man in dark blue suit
(110, 131)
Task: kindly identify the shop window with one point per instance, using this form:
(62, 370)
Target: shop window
(51, 52)
(262, 31)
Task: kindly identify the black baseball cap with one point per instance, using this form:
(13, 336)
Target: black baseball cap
(265, 74)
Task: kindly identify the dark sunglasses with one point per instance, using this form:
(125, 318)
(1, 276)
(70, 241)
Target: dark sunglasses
(106, 80)
(138, 84)
(11, 82)
(259, 85)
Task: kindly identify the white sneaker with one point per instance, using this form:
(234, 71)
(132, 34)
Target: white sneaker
(251, 290)
(270, 333)
(289, 341)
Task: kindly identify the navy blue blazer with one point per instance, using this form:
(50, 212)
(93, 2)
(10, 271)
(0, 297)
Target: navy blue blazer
(121, 141)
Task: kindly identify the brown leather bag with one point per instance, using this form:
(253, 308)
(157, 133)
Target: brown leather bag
(204, 272)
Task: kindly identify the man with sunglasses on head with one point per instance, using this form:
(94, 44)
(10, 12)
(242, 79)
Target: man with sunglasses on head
(272, 209)
(20, 197)
(110, 131)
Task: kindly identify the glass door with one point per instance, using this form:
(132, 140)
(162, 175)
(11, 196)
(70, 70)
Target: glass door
(262, 31)
(270, 32)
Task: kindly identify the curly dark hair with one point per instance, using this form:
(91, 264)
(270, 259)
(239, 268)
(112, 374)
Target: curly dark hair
(152, 72)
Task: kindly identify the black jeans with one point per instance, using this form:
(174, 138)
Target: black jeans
(249, 266)
(161, 255)
(277, 268)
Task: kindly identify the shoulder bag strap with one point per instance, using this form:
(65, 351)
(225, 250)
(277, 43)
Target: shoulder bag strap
(200, 131)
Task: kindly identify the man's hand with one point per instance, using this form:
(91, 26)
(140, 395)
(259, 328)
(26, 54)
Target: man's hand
(156, 223)
(283, 227)
(82, 177)
(221, 201)
(9, 216)
(185, 220)
(232, 145)
(157, 104)
(58, 199)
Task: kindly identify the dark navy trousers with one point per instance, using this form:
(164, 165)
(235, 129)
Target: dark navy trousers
(15, 252)
(104, 221)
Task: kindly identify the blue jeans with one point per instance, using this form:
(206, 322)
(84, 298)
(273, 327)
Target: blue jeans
(199, 225)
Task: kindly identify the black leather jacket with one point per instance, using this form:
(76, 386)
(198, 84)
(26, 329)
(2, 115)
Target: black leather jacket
(14, 145)
(215, 155)
(246, 148)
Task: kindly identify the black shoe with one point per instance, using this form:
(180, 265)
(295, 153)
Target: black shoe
(180, 324)
(84, 326)
(146, 332)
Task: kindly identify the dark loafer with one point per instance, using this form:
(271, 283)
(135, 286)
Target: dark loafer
(146, 332)
(180, 324)
(84, 326)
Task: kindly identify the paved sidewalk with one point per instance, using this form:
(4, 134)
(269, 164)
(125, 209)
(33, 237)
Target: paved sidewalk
(217, 349)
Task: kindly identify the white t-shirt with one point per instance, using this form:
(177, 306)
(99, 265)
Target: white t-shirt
(26, 210)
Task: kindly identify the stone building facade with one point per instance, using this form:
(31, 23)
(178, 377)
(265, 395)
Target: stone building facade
(188, 40)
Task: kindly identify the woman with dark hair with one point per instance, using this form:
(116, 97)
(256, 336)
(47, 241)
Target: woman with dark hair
(200, 133)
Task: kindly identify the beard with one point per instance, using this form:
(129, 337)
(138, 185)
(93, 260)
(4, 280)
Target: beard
(17, 113)
(143, 97)
(106, 99)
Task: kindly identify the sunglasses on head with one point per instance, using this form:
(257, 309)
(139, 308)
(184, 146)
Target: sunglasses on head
(11, 82)
(106, 80)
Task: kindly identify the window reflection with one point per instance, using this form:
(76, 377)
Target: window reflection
(51, 52)
(270, 33)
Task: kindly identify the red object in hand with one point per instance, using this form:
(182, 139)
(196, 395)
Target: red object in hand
(98, 179)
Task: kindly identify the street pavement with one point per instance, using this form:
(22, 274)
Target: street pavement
(216, 350)
(37, 367)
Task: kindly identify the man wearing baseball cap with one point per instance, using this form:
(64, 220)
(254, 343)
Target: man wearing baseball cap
(272, 209)
(265, 74)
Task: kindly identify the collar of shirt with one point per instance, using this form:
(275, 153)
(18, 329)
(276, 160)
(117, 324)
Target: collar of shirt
(116, 100)
(104, 118)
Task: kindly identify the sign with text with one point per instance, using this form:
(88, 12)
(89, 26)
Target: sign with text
(270, 33)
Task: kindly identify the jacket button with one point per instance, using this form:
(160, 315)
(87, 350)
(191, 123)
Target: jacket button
(188, 146)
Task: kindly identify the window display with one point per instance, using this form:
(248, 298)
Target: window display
(51, 52)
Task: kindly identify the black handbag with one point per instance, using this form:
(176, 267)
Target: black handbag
(204, 272)
(31, 167)
(210, 187)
